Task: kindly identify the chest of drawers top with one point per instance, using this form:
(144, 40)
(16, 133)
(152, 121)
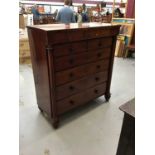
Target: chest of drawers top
(72, 26)
(62, 33)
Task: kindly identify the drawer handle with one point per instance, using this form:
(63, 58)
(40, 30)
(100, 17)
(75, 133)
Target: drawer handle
(99, 54)
(97, 78)
(71, 102)
(98, 66)
(71, 61)
(71, 74)
(71, 87)
(96, 91)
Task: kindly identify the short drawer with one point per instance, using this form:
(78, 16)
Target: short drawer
(81, 98)
(80, 71)
(61, 49)
(101, 32)
(99, 43)
(69, 48)
(75, 35)
(73, 60)
(79, 85)
(57, 37)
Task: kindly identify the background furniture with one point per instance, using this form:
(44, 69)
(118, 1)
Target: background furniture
(130, 47)
(24, 49)
(126, 35)
(72, 64)
(121, 5)
(45, 19)
(21, 21)
(126, 144)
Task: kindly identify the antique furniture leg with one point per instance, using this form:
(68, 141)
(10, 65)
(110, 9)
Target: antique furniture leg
(107, 96)
(55, 123)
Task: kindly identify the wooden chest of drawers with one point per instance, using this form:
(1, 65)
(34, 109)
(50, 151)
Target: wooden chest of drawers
(72, 64)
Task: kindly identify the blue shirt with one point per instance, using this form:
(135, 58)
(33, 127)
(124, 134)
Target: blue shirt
(66, 15)
(35, 13)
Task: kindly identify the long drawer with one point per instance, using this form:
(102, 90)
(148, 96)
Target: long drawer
(81, 98)
(79, 59)
(80, 71)
(82, 34)
(79, 85)
(66, 36)
(69, 48)
(99, 32)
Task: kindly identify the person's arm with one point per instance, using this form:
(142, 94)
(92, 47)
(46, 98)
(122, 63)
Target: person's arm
(58, 16)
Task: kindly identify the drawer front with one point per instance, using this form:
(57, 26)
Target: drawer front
(77, 47)
(99, 43)
(79, 85)
(66, 36)
(67, 49)
(57, 37)
(81, 71)
(101, 32)
(75, 35)
(81, 98)
(79, 59)
(61, 49)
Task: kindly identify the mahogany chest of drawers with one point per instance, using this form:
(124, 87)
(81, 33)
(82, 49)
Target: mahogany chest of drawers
(72, 64)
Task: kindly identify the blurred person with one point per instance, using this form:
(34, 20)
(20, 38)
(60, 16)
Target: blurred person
(35, 12)
(71, 5)
(22, 9)
(117, 13)
(66, 14)
(81, 16)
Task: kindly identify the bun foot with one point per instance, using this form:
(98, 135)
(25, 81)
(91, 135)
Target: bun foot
(107, 96)
(55, 123)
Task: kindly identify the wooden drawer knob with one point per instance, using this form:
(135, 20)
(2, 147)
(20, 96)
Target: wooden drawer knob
(98, 66)
(97, 78)
(71, 102)
(71, 87)
(71, 74)
(95, 91)
(96, 34)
